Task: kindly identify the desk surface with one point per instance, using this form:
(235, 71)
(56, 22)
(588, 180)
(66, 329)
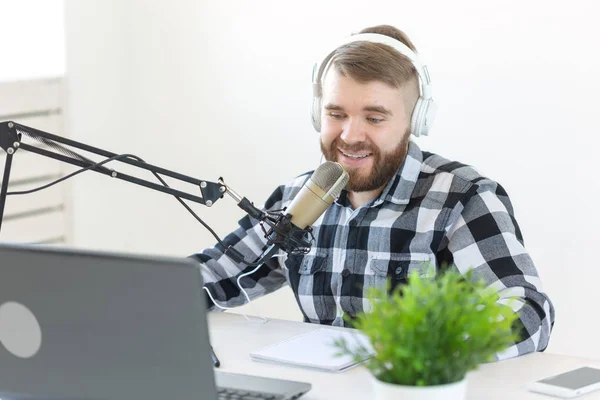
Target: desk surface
(233, 338)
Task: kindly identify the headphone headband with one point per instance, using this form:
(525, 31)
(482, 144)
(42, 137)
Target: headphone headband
(424, 78)
(425, 107)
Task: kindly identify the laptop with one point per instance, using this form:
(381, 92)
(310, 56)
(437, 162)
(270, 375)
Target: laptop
(92, 325)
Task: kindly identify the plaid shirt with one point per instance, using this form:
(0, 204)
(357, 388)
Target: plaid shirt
(433, 210)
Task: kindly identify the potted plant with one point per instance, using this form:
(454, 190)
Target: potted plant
(426, 335)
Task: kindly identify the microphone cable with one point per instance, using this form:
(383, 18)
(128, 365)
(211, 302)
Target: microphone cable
(116, 158)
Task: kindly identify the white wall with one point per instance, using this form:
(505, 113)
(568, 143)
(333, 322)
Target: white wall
(32, 39)
(223, 89)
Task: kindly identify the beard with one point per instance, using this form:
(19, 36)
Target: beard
(385, 165)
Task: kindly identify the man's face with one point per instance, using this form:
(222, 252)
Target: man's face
(365, 127)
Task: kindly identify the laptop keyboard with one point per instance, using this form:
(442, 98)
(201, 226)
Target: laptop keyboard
(235, 394)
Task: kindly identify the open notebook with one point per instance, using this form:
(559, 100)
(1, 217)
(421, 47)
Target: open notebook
(314, 350)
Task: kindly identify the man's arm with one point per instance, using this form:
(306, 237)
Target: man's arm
(220, 273)
(486, 237)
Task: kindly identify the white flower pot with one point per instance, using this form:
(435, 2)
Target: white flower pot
(388, 391)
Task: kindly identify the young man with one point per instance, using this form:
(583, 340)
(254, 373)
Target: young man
(402, 206)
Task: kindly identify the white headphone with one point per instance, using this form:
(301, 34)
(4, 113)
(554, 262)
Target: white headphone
(424, 111)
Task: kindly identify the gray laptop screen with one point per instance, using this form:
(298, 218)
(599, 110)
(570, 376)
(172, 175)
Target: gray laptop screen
(91, 325)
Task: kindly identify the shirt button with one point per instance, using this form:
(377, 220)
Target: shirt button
(345, 273)
(353, 223)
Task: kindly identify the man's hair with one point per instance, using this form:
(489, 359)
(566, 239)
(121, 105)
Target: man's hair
(366, 61)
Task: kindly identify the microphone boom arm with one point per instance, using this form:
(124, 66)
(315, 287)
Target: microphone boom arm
(281, 234)
(10, 140)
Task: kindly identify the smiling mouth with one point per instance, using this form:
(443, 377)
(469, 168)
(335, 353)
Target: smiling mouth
(355, 156)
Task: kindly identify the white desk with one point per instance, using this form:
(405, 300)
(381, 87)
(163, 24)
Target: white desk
(232, 338)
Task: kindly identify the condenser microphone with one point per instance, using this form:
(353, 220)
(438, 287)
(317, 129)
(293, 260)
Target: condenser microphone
(291, 231)
(318, 193)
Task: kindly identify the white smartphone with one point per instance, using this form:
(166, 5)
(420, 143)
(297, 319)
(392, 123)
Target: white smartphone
(569, 384)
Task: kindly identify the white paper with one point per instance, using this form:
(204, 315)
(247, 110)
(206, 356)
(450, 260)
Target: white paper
(314, 350)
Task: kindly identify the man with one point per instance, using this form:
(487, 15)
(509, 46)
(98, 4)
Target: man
(402, 206)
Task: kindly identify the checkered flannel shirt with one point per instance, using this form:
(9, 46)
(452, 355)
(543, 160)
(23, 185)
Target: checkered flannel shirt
(433, 210)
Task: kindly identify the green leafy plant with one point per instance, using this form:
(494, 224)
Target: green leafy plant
(433, 330)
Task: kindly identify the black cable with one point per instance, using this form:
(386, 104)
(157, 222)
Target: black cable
(118, 157)
(187, 207)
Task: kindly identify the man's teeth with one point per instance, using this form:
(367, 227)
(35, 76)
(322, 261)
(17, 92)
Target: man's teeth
(352, 156)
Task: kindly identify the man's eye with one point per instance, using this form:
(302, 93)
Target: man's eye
(375, 120)
(336, 116)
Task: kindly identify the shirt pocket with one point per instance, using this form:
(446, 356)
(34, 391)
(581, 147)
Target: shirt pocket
(312, 264)
(306, 277)
(397, 267)
(299, 265)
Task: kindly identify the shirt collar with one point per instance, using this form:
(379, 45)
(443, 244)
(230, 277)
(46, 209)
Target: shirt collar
(399, 189)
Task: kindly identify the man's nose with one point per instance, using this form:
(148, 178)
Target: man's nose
(353, 131)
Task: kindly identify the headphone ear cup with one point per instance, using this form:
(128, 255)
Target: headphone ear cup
(417, 118)
(429, 116)
(426, 115)
(422, 117)
(316, 113)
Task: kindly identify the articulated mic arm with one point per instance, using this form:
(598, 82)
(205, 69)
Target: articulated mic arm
(281, 232)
